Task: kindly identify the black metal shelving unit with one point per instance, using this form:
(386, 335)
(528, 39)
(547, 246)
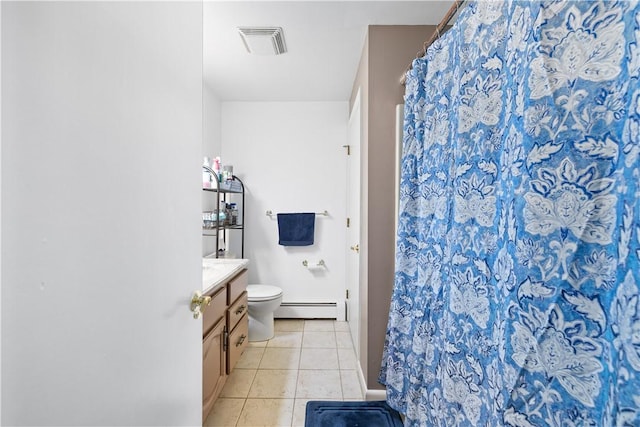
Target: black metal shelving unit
(222, 191)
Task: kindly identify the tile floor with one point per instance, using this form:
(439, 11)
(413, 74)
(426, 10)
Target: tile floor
(274, 380)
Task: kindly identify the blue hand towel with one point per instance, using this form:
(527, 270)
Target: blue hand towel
(296, 229)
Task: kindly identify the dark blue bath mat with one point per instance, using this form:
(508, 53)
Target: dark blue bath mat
(351, 414)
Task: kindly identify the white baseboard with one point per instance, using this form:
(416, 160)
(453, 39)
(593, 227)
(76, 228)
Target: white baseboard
(302, 310)
(370, 394)
(375, 395)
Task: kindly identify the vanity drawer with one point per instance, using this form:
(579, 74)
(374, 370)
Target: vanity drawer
(215, 310)
(238, 341)
(237, 310)
(237, 286)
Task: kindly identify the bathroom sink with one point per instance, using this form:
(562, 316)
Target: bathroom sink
(215, 271)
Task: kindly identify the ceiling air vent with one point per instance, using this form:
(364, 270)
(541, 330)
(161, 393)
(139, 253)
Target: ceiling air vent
(263, 40)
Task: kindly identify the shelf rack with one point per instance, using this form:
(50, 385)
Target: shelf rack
(222, 194)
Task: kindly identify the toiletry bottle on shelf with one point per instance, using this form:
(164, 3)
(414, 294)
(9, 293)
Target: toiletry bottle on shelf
(216, 167)
(229, 215)
(234, 214)
(227, 172)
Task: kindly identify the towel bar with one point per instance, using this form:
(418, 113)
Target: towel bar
(325, 213)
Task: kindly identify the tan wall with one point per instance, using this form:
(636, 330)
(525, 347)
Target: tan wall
(388, 52)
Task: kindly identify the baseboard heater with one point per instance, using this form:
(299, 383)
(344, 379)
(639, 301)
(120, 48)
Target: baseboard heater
(307, 310)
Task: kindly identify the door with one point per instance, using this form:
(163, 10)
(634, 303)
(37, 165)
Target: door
(101, 154)
(353, 228)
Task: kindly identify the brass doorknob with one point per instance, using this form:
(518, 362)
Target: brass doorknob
(199, 303)
(356, 248)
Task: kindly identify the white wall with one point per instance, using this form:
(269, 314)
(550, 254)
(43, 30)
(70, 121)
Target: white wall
(101, 149)
(211, 125)
(291, 158)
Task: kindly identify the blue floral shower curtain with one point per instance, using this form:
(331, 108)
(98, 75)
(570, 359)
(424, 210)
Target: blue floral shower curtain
(516, 298)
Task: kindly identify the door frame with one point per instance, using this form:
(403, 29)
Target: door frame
(353, 195)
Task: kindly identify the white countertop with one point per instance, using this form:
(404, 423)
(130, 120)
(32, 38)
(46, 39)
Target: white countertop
(216, 271)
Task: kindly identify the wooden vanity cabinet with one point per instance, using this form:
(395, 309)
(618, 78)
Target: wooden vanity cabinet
(225, 329)
(214, 355)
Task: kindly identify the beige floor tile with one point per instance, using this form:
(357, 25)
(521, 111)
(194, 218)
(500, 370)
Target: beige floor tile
(238, 383)
(350, 385)
(267, 412)
(340, 326)
(319, 340)
(262, 388)
(347, 358)
(251, 357)
(225, 412)
(286, 339)
(319, 384)
(258, 343)
(318, 325)
(289, 325)
(274, 383)
(299, 410)
(319, 358)
(280, 358)
(343, 340)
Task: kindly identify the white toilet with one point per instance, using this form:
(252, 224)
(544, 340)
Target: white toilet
(263, 301)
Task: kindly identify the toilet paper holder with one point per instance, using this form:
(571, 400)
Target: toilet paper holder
(308, 265)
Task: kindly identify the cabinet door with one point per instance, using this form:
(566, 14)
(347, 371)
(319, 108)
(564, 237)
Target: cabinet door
(213, 366)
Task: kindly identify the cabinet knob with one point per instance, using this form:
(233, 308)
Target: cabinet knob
(199, 303)
(240, 309)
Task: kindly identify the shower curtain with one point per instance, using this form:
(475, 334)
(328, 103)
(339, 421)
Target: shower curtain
(516, 297)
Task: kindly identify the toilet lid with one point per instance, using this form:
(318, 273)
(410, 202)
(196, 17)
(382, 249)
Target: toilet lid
(263, 292)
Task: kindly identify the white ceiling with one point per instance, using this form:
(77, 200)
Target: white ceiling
(324, 41)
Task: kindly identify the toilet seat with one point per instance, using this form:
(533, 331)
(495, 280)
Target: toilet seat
(263, 292)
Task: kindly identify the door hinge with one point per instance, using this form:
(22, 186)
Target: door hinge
(348, 222)
(225, 339)
(348, 147)
(347, 293)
